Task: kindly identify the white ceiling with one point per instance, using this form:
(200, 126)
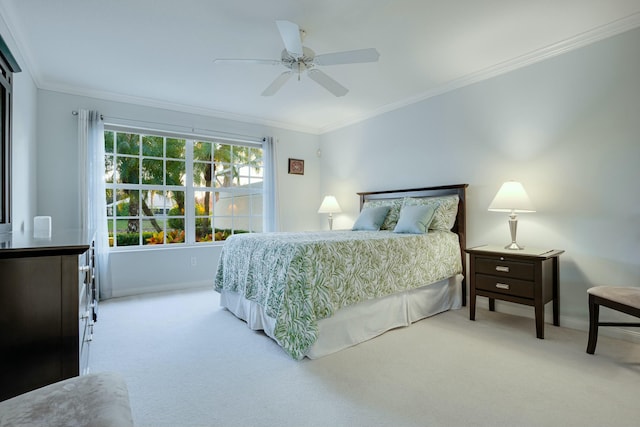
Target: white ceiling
(160, 52)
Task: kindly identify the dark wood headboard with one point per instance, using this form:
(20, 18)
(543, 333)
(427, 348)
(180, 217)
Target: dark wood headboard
(445, 190)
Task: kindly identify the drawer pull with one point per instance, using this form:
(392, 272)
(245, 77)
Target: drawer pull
(502, 268)
(502, 286)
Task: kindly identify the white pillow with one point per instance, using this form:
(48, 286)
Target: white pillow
(370, 219)
(415, 219)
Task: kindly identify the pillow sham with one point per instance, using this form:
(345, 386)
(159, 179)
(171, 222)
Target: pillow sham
(370, 219)
(394, 211)
(415, 219)
(446, 210)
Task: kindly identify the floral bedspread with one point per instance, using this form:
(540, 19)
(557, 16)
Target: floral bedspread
(300, 278)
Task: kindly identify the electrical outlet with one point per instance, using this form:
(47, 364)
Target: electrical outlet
(194, 261)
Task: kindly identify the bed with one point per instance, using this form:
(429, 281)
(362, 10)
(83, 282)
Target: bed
(316, 293)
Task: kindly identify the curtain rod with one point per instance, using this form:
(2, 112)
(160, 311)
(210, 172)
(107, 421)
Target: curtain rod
(75, 113)
(214, 133)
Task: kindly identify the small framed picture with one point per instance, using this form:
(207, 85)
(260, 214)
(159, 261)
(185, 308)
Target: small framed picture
(296, 166)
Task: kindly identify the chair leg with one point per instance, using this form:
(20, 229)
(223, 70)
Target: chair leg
(594, 312)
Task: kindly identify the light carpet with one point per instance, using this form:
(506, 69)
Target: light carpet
(187, 362)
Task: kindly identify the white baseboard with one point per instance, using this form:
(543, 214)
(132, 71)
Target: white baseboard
(161, 288)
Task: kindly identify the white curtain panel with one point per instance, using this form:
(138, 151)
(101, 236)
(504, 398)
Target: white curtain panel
(269, 187)
(93, 205)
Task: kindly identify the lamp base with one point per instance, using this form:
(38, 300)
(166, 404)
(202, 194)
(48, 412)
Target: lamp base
(513, 228)
(514, 246)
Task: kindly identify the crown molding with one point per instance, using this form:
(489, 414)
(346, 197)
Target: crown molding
(584, 39)
(173, 106)
(8, 16)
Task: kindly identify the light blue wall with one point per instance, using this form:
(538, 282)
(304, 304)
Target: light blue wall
(568, 128)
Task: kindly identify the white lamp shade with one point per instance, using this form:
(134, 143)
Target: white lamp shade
(511, 198)
(329, 205)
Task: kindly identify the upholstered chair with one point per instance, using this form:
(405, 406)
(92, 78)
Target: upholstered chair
(623, 299)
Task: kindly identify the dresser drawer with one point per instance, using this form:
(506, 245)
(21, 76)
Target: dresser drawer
(504, 285)
(505, 268)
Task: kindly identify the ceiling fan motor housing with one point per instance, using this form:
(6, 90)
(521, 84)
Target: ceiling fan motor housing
(300, 64)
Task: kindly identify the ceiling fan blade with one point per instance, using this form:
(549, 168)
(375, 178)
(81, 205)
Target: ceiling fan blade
(327, 82)
(277, 84)
(347, 57)
(290, 34)
(247, 61)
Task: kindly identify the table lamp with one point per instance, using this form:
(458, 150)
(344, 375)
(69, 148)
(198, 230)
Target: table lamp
(330, 205)
(512, 198)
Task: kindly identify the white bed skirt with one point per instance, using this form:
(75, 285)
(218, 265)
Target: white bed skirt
(363, 321)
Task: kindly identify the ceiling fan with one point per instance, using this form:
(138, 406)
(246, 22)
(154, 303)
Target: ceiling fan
(298, 59)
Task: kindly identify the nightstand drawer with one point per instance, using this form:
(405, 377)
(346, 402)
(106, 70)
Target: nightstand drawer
(507, 268)
(503, 285)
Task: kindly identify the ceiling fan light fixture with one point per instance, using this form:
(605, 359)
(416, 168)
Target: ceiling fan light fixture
(298, 59)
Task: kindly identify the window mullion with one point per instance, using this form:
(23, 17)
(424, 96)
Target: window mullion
(140, 194)
(189, 203)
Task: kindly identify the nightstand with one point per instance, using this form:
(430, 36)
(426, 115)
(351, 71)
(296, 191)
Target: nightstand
(529, 276)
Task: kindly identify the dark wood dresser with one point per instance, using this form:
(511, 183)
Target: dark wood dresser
(48, 304)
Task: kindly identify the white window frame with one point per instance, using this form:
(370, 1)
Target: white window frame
(188, 187)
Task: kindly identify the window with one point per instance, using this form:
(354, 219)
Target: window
(169, 190)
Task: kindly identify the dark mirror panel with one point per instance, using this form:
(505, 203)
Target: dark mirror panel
(8, 66)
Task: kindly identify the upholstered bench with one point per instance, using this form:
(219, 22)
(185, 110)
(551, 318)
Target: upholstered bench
(623, 299)
(97, 400)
